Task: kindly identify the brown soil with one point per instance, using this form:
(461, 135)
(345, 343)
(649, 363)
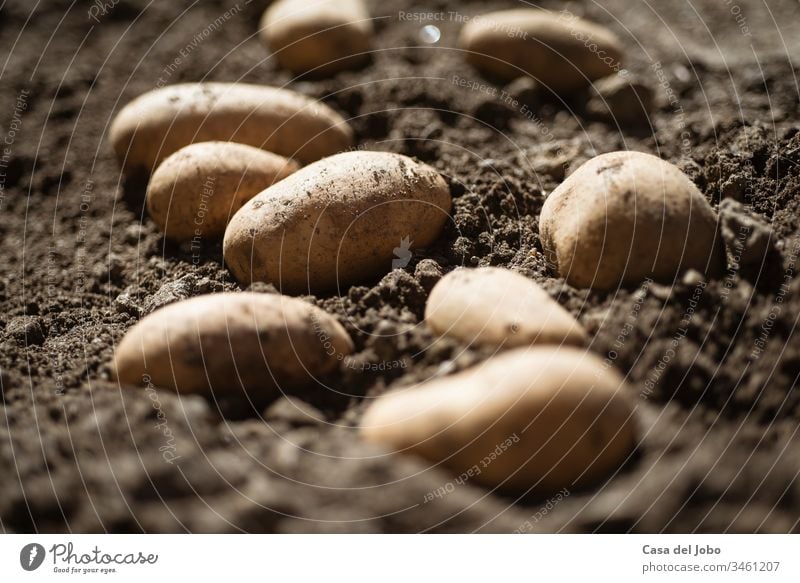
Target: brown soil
(713, 364)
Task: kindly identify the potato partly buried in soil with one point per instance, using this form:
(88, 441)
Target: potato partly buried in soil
(337, 222)
(559, 50)
(627, 216)
(164, 120)
(498, 308)
(568, 418)
(321, 37)
(195, 191)
(234, 343)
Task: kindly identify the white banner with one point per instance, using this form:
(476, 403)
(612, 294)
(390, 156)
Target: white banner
(399, 558)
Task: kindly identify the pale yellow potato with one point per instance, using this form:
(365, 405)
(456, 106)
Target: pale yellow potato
(559, 50)
(318, 36)
(232, 343)
(341, 220)
(193, 193)
(495, 307)
(531, 419)
(162, 121)
(627, 216)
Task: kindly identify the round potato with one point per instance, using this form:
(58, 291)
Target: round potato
(561, 51)
(532, 419)
(347, 218)
(194, 192)
(626, 216)
(254, 343)
(494, 307)
(322, 37)
(162, 121)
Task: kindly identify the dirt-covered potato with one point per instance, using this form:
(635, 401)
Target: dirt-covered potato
(559, 50)
(537, 419)
(496, 307)
(318, 36)
(347, 218)
(160, 122)
(626, 216)
(254, 343)
(195, 191)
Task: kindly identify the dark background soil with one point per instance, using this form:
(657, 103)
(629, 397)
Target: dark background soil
(713, 364)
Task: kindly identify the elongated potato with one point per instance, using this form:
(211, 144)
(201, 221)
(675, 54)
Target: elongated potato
(626, 216)
(320, 36)
(195, 191)
(495, 307)
(532, 419)
(160, 122)
(343, 219)
(561, 51)
(254, 343)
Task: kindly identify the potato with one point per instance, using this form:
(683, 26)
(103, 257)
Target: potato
(194, 192)
(337, 221)
(562, 52)
(318, 36)
(537, 419)
(162, 121)
(494, 307)
(230, 343)
(626, 216)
